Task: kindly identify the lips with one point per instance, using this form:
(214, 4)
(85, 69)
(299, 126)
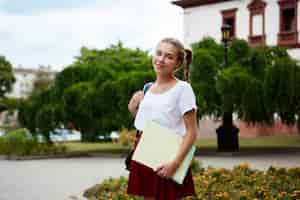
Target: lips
(158, 65)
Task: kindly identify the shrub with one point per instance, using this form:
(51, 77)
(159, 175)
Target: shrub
(127, 137)
(2, 146)
(20, 142)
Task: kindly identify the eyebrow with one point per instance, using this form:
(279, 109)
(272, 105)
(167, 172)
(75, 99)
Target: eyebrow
(167, 53)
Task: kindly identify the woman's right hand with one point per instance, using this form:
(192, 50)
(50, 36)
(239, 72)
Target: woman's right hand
(134, 102)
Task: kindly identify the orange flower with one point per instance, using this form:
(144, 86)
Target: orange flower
(225, 194)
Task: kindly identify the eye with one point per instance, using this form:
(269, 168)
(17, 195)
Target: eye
(158, 52)
(170, 57)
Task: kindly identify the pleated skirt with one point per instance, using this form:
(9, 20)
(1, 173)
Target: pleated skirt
(143, 181)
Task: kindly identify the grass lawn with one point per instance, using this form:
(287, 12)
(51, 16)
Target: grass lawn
(265, 142)
(260, 142)
(96, 147)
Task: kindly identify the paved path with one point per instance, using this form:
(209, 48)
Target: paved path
(54, 179)
(261, 162)
(66, 179)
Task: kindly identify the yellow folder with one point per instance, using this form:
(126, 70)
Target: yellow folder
(159, 145)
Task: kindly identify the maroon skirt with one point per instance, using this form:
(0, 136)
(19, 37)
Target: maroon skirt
(143, 181)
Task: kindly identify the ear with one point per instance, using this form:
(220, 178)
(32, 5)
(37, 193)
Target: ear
(177, 66)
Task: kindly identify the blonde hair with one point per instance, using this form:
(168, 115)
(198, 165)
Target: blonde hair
(184, 56)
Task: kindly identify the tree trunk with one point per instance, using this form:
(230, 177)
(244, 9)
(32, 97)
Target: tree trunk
(227, 134)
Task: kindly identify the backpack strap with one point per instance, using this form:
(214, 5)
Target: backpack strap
(145, 89)
(147, 86)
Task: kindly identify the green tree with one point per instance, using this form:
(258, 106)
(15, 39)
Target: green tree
(114, 74)
(93, 91)
(127, 85)
(281, 88)
(7, 80)
(203, 76)
(48, 118)
(6, 76)
(44, 79)
(256, 83)
(77, 103)
(69, 76)
(8, 104)
(28, 109)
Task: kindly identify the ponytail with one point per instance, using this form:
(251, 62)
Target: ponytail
(187, 62)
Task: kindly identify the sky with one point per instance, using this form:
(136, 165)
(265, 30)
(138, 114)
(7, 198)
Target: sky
(51, 32)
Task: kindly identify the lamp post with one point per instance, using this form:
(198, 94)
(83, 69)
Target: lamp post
(227, 133)
(225, 29)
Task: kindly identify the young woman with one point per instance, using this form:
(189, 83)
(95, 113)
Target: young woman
(171, 102)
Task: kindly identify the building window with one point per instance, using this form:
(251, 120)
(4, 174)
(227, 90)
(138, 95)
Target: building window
(288, 17)
(288, 30)
(229, 17)
(257, 35)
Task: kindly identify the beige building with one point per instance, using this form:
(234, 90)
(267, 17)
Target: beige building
(25, 78)
(260, 22)
(23, 87)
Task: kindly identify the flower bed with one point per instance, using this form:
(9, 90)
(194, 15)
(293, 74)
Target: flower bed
(240, 183)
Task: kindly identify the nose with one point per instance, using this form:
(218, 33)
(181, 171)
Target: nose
(160, 58)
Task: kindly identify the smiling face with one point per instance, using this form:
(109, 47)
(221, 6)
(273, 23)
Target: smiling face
(165, 60)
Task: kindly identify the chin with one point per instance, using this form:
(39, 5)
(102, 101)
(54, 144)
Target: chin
(157, 69)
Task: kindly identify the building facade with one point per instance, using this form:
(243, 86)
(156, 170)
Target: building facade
(260, 22)
(25, 79)
(24, 83)
(23, 87)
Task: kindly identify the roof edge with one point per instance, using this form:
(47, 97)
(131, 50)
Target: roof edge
(195, 3)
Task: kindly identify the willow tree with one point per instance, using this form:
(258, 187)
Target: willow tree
(256, 83)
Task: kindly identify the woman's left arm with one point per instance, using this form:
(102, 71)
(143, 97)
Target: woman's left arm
(190, 136)
(167, 170)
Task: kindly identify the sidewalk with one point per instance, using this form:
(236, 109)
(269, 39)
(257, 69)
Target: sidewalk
(66, 179)
(244, 151)
(260, 162)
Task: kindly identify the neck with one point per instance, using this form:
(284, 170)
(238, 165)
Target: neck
(164, 79)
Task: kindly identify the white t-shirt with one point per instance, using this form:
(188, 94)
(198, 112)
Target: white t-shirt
(167, 108)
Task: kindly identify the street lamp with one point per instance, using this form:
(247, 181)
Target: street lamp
(227, 133)
(225, 29)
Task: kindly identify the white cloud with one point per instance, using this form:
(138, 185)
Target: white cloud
(55, 37)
